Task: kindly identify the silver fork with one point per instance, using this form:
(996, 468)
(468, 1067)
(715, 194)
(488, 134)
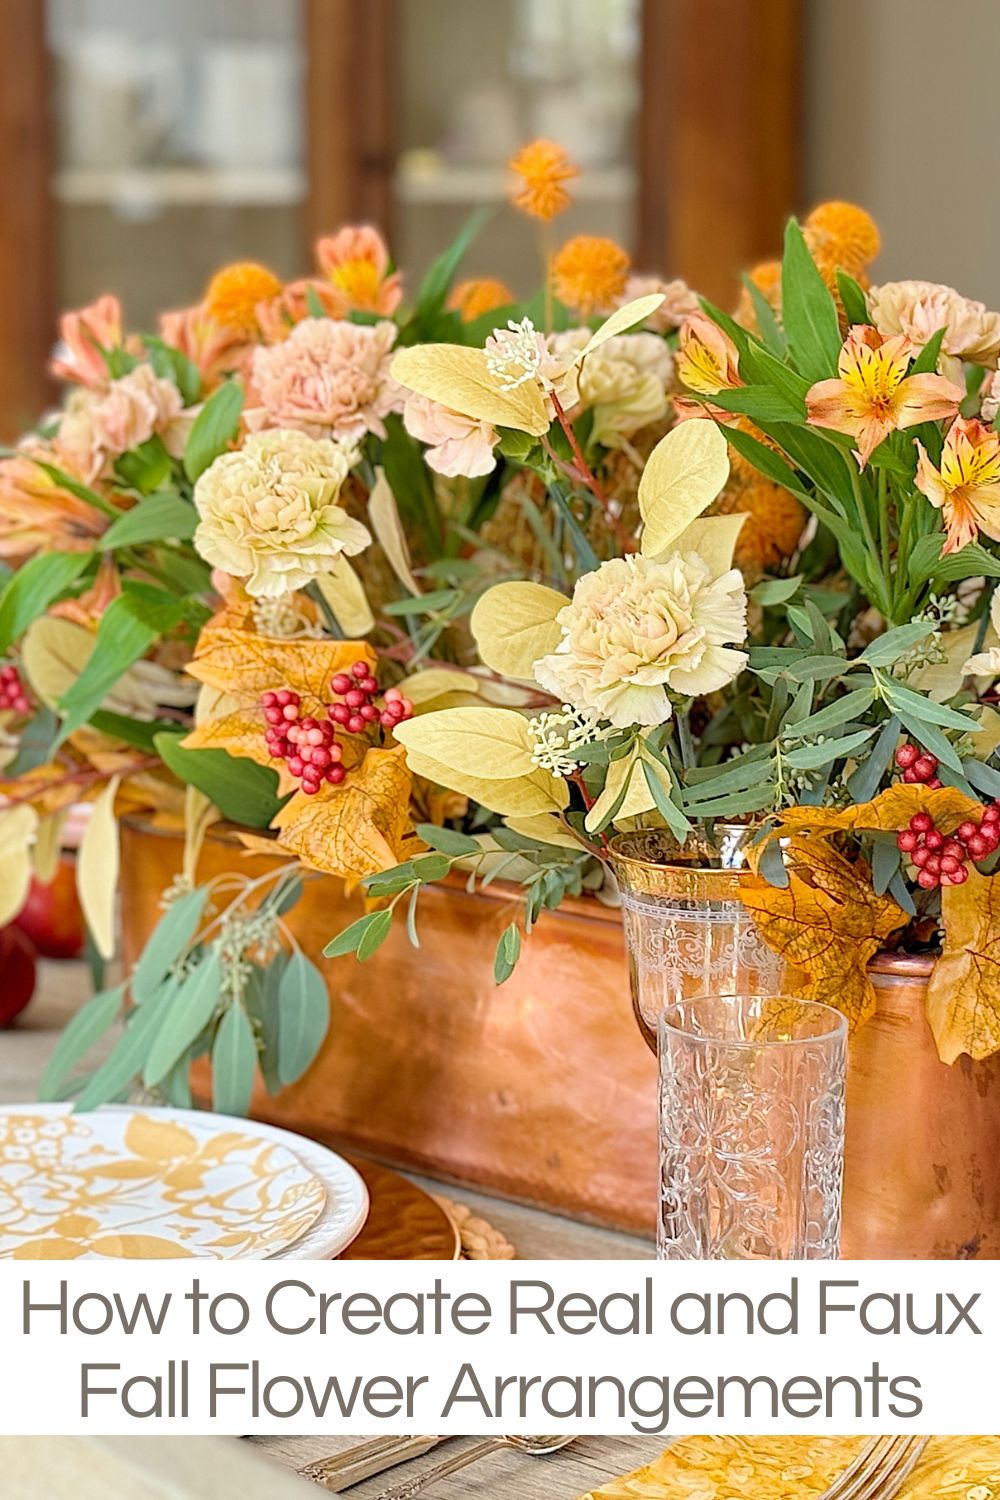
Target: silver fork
(879, 1471)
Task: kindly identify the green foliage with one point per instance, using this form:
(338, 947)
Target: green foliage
(35, 586)
(243, 791)
(214, 428)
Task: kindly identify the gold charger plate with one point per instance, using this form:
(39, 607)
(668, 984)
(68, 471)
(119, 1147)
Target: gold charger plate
(404, 1222)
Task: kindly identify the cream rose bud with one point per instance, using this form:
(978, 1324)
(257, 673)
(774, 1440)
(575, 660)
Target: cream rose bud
(271, 513)
(638, 626)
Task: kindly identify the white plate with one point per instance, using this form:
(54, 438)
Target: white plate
(141, 1183)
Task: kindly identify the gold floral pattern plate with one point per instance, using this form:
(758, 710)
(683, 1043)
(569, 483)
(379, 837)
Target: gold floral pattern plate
(796, 1468)
(148, 1184)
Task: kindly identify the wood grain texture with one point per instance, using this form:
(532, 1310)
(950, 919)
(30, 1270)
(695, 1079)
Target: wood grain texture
(27, 323)
(720, 136)
(404, 1222)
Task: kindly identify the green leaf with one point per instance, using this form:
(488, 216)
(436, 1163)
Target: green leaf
(126, 1060)
(190, 1010)
(437, 283)
(430, 867)
(772, 865)
(347, 941)
(927, 358)
(243, 791)
(139, 732)
(422, 604)
(33, 587)
(850, 706)
(933, 740)
(447, 840)
(853, 298)
(772, 591)
(263, 1002)
(808, 311)
(375, 935)
(89, 1023)
(305, 1016)
(885, 650)
(145, 468)
(234, 1063)
(81, 491)
(668, 809)
(128, 628)
(814, 757)
(167, 942)
(770, 329)
(760, 403)
(214, 428)
(885, 864)
(984, 778)
(923, 708)
(162, 515)
(926, 562)
(170, 364)
(507, 954)
(863, 784)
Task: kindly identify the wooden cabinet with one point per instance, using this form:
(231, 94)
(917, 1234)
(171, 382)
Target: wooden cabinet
(143, 144)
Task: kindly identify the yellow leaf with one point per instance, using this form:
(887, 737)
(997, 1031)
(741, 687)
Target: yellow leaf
(623, 775)
(48, 847)
(963, 996)
(983, 741)
(54, 653)
(889, 811)
(547, 828)
(941, 680)
(437, 682)
(523, 796)
(622, 319)
(493, 744)
(97, 870)
(514, 624)
(458, 377)
(342, 589)
(356, 828)
(383, 515)
(828, 922)
(714, 539)
(18, 825)
(683, 475)
(246, 664)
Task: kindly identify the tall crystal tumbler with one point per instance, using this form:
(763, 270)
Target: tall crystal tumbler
(751, 1128)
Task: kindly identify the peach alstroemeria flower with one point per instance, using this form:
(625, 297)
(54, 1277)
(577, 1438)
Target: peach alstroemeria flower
(966, 488)
(356, 261)
(82, 337)
(214, 350)
(873, 395)
(707, 360)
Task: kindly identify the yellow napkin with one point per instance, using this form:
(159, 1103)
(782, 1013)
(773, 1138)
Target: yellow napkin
(795, 1468)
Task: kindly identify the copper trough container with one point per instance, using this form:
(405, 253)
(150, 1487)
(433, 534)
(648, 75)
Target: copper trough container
(544, 1091)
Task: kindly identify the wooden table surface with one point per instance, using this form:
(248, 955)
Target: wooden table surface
(24, 1051)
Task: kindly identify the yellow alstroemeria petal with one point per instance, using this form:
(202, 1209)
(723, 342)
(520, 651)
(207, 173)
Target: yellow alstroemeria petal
(458, 377)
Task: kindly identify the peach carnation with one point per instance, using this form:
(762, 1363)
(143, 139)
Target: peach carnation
(356, 262)
(458, 445)
(271, 513)
(638, 628)
(919, 308)
(327, 379)
(679, 301)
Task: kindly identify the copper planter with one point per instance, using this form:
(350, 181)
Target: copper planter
(543, 1090)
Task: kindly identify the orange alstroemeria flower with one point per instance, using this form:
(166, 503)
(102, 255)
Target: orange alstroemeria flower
(966, 488)
(356, 262)
(874, 396)
(83, 335)
(707, 360)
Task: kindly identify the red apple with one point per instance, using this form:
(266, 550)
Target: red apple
(17, 972)
(51, 916)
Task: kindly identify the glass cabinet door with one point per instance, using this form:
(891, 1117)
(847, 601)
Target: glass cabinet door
(473, 82)
(179, 145)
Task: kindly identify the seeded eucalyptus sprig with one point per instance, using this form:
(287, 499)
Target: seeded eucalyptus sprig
(222, 975)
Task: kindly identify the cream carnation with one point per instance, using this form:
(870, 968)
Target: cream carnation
(679, 301)
(920, 308)
(637, 627)
(327, 379)
(270, 513)
(458, 445)
(624, 381)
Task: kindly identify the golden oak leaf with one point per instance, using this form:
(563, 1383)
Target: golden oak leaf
(889, 811)
(356, 828)
(963, 996)
(246, 664)
(242, 733)
(828, 922)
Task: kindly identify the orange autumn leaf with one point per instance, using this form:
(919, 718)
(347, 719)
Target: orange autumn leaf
(356, 828)
(246, 664)
(828, 923)
(242, 734)
(963, 996)
(889, 811)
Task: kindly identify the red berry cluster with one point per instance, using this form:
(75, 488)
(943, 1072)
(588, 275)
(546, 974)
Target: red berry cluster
(941, 859)
(918, 765)
(309, 746)
(13, 693)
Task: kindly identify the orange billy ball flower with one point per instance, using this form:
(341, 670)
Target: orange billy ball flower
(589, 274)
(543, 168)
(841, 234)
(234, 292)
(472, 299)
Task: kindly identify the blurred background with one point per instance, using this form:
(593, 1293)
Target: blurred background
(145, 142)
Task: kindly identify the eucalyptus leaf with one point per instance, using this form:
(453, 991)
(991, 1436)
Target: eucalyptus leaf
(851, 706)
(347, 941)
(234, 1062)
(189, 1011)
(771, 865)
(885, 864)
(814, 757)
(305, 1016)
(885, 650)
(167, 942)
(86, 1027)
(507, 954)
(864, 782)
(447, 840)
(126, 1060)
